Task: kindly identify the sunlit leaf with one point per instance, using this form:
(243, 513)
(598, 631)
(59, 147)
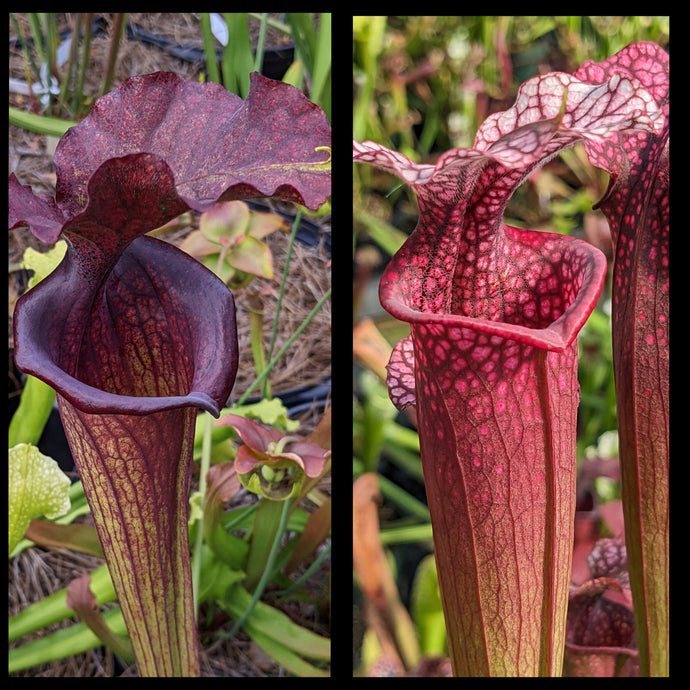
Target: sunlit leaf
(37, 486)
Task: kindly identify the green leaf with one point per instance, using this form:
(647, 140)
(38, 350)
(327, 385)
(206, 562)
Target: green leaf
(216, 577)
(321, 67)
(63, 643)
(37, 398)
(224, 271)
(251, 256)
(427, 610)
(53, 608)
(43, 263)
(270, 411)
(197, 244)
(31, 416)
(39, 123)
(294, 74)
(238, 58)
(283, 656)
(263, 224)
(209, 47)
(225, 222)
(37, 486)
(278, 636)
(266, 526)
(79, 506)
(314, 49)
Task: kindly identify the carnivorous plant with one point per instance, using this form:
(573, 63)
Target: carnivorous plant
(134, 334)
(491, 361)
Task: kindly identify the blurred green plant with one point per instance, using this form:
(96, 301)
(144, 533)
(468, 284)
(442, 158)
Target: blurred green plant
(426, 83)
(37, 486)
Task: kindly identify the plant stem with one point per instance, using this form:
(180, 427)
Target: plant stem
(259, 58)
(79, 87)
(285, 347)
(256, 323)
(283, 282)
(307, 573)
(272, 22)
(209, 48)
(268, 570)
(38, 123)
(118, 29)
(198, 545)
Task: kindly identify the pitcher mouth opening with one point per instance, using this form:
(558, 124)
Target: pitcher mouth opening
(553, 338)
(545, 308)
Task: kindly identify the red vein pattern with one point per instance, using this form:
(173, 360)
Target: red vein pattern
(637, 208)
(491, 365)
(129, 478)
